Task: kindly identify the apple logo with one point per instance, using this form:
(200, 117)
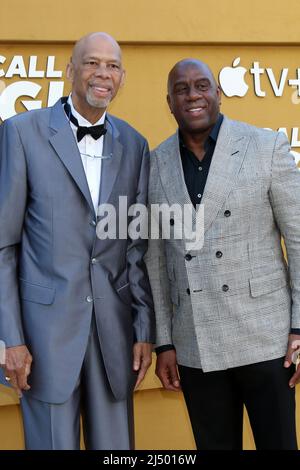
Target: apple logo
(232, 79)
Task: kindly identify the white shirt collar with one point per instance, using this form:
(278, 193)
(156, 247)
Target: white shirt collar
(81, 120)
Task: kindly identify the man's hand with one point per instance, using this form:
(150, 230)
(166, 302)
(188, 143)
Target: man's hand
(293, 344)
(142, 358)
(166, 370)
(17, 367)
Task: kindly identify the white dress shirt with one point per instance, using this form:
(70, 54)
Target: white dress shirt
(89, 146)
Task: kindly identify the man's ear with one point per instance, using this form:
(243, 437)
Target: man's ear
(70, 72)
(219, 93)
(123, 78)
(169, 103)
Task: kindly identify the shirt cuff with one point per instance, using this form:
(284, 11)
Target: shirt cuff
(165, 347)
(295, 331)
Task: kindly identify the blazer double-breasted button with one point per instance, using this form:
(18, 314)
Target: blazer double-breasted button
(227, 213)
(225, 288)
(172, 222)
(188, 291)
(94, 261)
(188, 257)
(89, 299)
(219, 254)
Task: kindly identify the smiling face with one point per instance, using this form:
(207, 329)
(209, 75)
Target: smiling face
(193, 96)
(96, 74)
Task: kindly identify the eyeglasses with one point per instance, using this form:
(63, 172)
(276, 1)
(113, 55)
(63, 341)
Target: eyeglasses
(110, 144)
(101, 157)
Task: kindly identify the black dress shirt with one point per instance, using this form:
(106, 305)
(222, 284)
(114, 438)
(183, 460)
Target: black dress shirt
(196, 171)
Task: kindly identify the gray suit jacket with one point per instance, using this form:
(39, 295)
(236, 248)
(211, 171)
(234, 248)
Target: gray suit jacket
(53, 269)
(236, 307)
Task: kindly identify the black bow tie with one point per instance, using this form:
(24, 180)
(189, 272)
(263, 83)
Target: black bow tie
(94, 131)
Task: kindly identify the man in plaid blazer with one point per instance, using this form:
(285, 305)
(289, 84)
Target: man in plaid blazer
(228, 314)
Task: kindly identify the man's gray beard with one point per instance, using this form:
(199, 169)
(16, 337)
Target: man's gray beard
(97, 102)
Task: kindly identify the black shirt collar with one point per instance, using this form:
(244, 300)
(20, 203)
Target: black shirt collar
(216, 129)
(212, 135)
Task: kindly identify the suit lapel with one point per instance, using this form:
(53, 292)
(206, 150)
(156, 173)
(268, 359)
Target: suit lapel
(171, 173)
(65, 146)
(227, 160)
(110, 166)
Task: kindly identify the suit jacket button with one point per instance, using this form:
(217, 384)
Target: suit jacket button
(219, 254)
(188, 257)
(172, 222)
(227, 213)
(188, 291)
(225, 288)
(93, 223)
(89, 299)
(94, 261)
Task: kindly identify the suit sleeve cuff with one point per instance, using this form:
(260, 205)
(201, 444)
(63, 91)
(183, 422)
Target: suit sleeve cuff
(295, 331)
(165, 347)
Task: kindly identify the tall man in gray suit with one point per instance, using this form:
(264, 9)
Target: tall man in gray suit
(75, 310)
(228, 314)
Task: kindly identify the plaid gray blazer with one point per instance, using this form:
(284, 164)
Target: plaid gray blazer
(234, 308)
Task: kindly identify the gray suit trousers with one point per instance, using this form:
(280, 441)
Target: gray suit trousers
(107, 423)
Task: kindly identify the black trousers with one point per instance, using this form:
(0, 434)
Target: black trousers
(215, 404)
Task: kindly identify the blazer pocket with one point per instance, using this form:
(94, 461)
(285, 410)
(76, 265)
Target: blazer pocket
(268, 283)
(36, 293)
(124, 292)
